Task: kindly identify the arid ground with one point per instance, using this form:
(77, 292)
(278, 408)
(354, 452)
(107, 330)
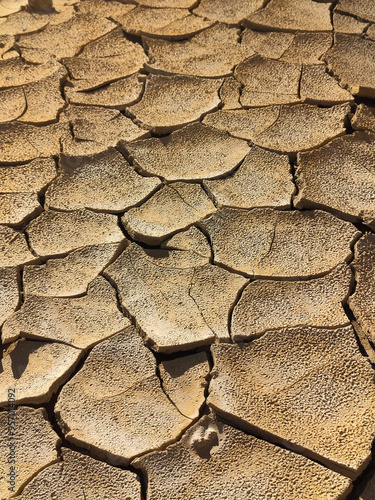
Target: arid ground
(187, 249)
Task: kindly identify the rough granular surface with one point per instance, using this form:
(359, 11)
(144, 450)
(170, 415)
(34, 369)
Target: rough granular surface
(187, 249)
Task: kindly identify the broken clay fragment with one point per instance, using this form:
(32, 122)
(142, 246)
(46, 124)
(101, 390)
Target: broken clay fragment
(268, 243)
(285, 129)
(103, 182)
(191, 153)
(262, 180)
(283, 386)
(352, 60)
(292, 15)
(54, 233)
(14, 249)
(270, 305)
(115, 406)
(179, 307)
(361, 302)
(79, 473)
(170, 102)
(212, 458)
(71, 275)
(36, 370)
(30, 442)
(174, 207)
(9, 292)
(80, 322)
(339, 177)
(184, 380)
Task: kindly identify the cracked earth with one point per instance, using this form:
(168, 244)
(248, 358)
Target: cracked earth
(187, 249)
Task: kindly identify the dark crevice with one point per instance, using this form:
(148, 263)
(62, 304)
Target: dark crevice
(293, 170)
(332, 8)
(231, 310)
(21, 288)
(360, 483)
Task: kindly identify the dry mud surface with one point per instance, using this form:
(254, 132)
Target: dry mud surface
(187, 249)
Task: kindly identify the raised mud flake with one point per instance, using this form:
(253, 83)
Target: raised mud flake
(105, 8)
(9, 293)
(70, 275)
(174, 207)
(284, 387)
(22, 143)
(97, 128)
(243, 123)
(15, 72)
(43, 98)
(298, 48)
(12, 104)
(170, 102)
(371, 32)
(267, 243)
(80, 322)
(105, 60)
(22, 22)
(352, 60)
(82, 28)
(318, 87)
(230, 93)
(307, 48)
(9, 7)
(54, 233)
(292, 15)
(212, 53)
(119, 94)
(184, 380)
(14, 250)
(115, 405)
(194, 152)
(271, 305)
(34, 447)
(212, 458)
(177, 308)
(347, 24)
(268, 44)
(364, 118)
(108, 134)
(262, 180)
(183, 250)
(104, 182)
(16, 208)
(302, 127)
(340, 177)
(191, 240)
(36, 370)
(231, 12)
(363, 9)
(361, 302)
(286, 129)
(29, 178)
(169, 23)
(6, 45)
(36, 101)
(268, 82)
(73, 148)
(79, 473)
